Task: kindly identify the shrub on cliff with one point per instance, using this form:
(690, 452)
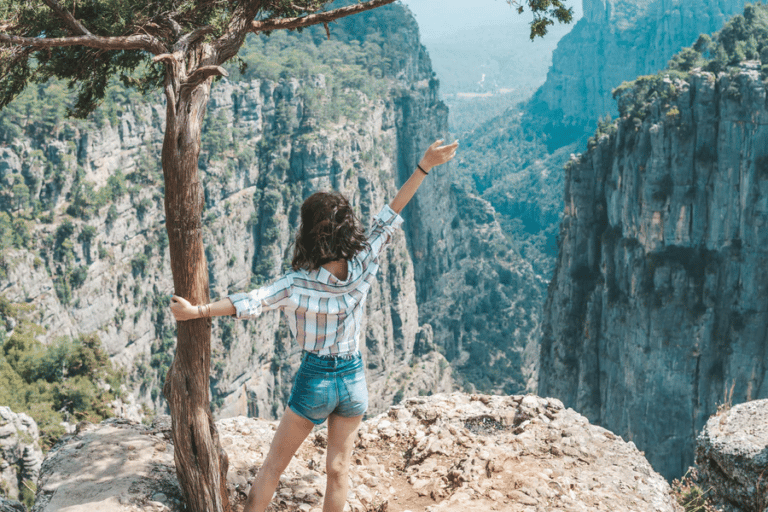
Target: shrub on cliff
(743, 38)
(70, 380)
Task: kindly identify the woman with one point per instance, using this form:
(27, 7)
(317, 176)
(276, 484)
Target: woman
(334, 265)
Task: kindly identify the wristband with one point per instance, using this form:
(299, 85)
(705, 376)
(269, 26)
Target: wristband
(422, 170)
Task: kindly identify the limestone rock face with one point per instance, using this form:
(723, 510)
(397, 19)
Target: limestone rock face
(20, 452)
(657, 308)
(618, 40)
(452, 452)
(7, 505)
(732, 457)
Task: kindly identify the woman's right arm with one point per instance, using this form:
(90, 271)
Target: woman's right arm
(240, 305)
(182, 309)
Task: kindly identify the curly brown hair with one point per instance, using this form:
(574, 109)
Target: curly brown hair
(329, 231)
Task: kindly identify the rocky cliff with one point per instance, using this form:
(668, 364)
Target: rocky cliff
(82, 202)
(20, 455)
(452, 452)
(617, 40)
(657, 310)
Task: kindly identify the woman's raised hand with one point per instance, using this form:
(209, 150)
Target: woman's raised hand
(182, 309)
(437, 154)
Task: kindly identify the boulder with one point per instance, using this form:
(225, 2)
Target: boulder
(732, 457)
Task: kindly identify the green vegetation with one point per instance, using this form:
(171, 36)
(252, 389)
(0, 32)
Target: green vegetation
(70, 380)
(743, 38)
(690, 495)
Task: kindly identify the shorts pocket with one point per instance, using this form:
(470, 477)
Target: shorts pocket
(355, 401)
(312, 397)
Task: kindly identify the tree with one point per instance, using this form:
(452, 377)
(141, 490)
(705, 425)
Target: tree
(179, 46)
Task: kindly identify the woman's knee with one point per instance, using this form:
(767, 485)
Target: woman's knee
(337, 468)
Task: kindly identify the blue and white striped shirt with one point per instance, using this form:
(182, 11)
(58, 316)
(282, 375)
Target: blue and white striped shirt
(324, 312)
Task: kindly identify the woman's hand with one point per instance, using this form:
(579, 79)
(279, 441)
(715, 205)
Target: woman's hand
(435, 155)
(438, 155)
(182, 309)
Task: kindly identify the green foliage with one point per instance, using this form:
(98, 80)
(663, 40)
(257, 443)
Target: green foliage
(14, 232)
(142, 207)
(605, 126)
(690, 495)
(744, 37)
(216, 134)
(63, 247)
(87, 234)
(27, 493)
(64, 381)
(545, 13)
(111, 215)
(139, 265)
(88, 70)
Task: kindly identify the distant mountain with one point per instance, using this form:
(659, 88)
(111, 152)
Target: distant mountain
(485, 70)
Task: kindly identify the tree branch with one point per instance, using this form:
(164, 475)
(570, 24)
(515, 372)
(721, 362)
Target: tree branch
(315, 19)
(70, 20)
(184, 42)
(169, 58)
(202, 73)
(134, 42)
(174, 26)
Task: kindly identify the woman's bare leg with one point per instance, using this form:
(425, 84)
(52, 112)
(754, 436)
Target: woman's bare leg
(291, 432)
(341, 439)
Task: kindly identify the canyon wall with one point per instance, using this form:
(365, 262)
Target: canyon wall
(657, 313)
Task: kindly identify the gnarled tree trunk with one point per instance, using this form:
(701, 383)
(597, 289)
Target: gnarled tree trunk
(201, 463)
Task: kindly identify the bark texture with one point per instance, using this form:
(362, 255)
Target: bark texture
(201, 463)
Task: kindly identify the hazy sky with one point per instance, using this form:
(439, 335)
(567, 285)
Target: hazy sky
(438, 18)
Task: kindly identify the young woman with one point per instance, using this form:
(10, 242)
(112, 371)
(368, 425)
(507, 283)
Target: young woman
(334, 265)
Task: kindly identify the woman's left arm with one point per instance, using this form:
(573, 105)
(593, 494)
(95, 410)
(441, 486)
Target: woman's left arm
(434, 156)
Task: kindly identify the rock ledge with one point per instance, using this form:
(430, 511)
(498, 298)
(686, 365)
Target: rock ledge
(450, 452)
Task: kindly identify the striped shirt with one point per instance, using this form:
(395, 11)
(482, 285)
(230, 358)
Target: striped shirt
(324, 312)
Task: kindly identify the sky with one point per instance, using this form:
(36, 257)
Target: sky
(438, 18)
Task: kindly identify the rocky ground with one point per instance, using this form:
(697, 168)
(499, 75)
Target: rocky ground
(442, 453)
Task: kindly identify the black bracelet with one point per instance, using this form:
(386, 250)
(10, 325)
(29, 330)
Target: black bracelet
(422, 170)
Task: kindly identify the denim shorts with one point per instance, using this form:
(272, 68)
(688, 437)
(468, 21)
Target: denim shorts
(329, 385)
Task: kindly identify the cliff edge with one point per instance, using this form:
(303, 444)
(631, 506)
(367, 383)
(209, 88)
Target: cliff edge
(453, 452)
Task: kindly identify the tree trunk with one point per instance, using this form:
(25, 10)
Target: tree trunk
(201, 463)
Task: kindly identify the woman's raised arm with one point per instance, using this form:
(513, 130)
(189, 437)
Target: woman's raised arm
(434, 156)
